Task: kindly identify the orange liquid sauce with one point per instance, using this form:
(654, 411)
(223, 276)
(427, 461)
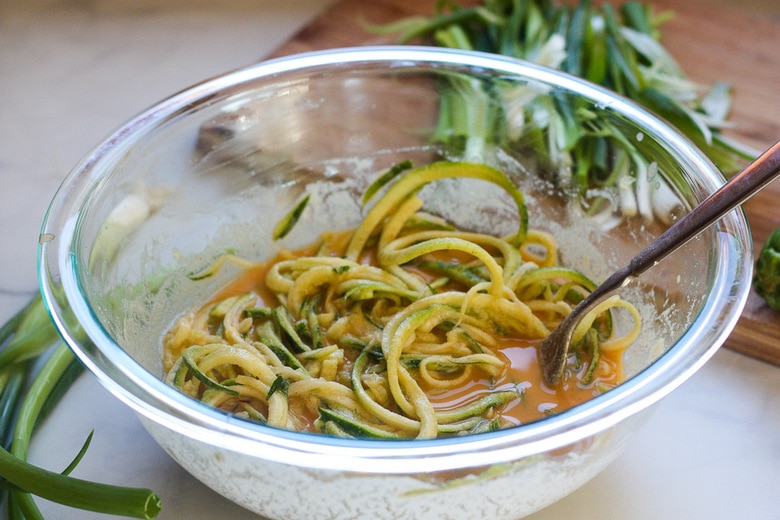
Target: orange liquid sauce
(523, 372)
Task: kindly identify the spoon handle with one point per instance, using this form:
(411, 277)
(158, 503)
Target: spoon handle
(737, 190)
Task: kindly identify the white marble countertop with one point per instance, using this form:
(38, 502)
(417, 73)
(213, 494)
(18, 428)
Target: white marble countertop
(71, 71)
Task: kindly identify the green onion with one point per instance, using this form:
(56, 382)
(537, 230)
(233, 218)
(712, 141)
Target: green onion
(77, 493)
(766, 278)
(26, 338)
(619, 49)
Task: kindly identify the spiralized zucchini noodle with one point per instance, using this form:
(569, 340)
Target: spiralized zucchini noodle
(403, 327)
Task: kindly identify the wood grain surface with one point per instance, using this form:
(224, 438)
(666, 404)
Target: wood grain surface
(710, 43)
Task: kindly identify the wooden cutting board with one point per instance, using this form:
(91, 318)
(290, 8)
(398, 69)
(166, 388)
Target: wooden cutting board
(710, 43)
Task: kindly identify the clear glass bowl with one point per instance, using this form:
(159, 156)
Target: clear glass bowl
(211, 169)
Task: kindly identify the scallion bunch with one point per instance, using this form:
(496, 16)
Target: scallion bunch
(36, 369)
(618, 49)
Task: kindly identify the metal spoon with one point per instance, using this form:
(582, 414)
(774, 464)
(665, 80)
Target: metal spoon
(554, 349)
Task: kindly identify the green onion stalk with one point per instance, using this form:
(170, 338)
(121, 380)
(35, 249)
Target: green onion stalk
(766, 277)
(36, 369)
(618, 49)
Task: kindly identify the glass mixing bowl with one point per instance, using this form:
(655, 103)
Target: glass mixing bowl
(213, 168)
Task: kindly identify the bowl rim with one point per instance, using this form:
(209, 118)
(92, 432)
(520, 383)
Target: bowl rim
(148, 395)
